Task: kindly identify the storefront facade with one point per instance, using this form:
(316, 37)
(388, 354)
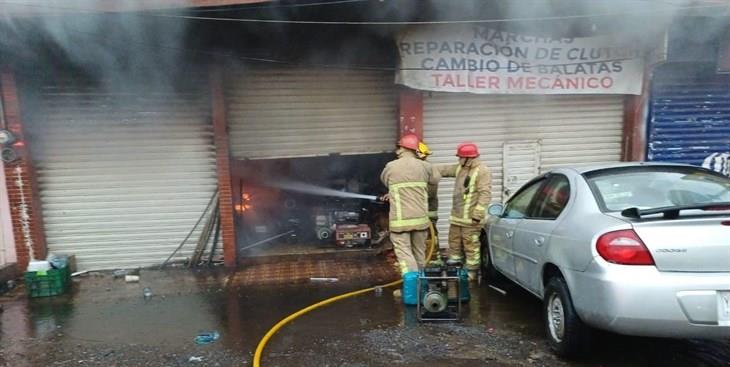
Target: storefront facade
(121, 176)
(531, 102)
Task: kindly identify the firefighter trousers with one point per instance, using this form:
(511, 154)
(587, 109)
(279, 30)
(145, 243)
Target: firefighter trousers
(410, 249)
(464, 242)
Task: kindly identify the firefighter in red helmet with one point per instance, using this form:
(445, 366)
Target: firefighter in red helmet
(472, 193)
(407, 179)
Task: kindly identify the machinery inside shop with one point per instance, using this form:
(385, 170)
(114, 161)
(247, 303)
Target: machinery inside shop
(309, 205)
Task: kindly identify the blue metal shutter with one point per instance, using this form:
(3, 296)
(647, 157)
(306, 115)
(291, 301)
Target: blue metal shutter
(689, 116)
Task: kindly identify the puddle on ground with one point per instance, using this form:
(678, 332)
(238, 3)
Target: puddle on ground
(108, 312)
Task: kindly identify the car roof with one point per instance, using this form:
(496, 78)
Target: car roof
(601, 166)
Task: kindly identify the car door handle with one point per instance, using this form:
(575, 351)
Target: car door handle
(539, 241)
(509, 234)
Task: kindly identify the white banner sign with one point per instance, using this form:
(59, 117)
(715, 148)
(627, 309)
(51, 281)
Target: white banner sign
(479, 59)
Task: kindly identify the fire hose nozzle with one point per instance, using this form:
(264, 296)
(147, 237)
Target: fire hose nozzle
(382, 199)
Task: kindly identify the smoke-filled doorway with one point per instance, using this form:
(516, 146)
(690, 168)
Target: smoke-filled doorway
(311, 205)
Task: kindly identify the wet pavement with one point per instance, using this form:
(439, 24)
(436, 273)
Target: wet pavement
(106, 322)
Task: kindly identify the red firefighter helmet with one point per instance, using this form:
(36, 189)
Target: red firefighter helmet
(409, 141)
(467, 150)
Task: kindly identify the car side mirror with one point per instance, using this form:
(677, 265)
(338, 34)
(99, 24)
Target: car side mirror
(496, 209)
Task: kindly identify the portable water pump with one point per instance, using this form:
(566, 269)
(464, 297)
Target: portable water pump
(441, 289)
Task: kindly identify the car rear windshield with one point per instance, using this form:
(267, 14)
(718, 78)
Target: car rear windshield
(657, 187)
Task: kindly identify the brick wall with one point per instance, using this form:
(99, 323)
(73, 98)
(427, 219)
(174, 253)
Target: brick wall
(22, 188)
(223, 163)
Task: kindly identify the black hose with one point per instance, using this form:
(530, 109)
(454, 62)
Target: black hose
(212, 199)
(215, 239)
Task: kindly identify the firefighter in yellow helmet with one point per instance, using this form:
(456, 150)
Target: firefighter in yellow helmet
(433, 201)
(472, 194)
(407, 179)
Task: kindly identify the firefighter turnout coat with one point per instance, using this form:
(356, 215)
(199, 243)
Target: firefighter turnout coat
(472, 192)
(407, 179)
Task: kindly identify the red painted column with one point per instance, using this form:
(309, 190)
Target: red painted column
(22, 188)
(411, 112)
(223, 163)
(634, 128)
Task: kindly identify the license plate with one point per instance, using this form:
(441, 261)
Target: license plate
(723, 308)
(348, 236)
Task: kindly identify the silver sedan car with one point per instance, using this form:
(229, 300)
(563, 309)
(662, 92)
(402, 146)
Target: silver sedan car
(636, 249)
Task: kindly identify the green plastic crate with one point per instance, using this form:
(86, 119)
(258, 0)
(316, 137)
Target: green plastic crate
(47, 283)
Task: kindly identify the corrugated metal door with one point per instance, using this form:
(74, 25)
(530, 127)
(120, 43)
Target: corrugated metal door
(298, 112)
(520, 163)
(123, 177)
(569, 129)
(689, 117)
(5, 230)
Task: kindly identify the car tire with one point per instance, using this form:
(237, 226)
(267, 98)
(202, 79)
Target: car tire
(489, 272)
(567, 335)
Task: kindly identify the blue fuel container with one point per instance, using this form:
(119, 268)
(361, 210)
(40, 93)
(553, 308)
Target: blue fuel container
(465, 296)
(410, 288)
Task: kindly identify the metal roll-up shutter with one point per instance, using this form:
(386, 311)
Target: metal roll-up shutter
(560, 130)
(123, 177)
(299, 112)
(689, 118)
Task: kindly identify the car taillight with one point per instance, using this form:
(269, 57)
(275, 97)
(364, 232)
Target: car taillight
(624, 247)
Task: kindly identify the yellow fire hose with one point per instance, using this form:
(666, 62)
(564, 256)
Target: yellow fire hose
(288, 319)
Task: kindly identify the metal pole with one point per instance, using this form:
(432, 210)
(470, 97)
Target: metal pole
(267, 240)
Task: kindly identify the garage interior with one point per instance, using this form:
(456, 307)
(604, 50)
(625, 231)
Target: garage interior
(302, 205)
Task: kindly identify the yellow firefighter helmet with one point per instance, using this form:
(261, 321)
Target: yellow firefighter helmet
(423, 150)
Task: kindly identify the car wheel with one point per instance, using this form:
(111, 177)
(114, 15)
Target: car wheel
(567, 335)
(489, 272)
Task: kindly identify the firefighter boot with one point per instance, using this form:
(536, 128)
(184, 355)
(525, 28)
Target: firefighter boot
(473, 276)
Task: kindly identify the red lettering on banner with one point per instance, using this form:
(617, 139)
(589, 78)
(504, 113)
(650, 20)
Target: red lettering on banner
(530, 82)
(558, 84)
(607, 82)
(466, 81)
(515, 83)
(544, 83)
(479, 82)
(449, 81)
(460, 81)
(493, 82)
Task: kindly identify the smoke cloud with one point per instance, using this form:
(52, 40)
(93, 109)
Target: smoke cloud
(117, 49)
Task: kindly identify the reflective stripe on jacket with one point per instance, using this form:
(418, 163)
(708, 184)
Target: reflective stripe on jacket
(408, 179)
(471, 196)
